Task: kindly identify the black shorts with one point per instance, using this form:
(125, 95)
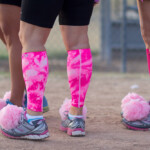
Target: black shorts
(44, 12)
(11, 2)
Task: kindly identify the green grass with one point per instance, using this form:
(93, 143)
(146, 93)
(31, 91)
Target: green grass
(55, 54)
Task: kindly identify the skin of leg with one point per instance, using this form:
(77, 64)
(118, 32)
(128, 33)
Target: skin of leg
(75, 37)
(2, 37)
(144, 14)
(9, 25)
(33, 39)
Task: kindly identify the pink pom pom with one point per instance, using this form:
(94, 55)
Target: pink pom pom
(10, 116)
(2, 103)
(136, 110)
(129, 97)
(7, 95)
(64, 109)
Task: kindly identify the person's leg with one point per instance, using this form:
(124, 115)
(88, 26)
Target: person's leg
(74, 23)
(35, 72)
(2, 37)
(34, 64)
(9, 25)
(34, 30)
(128, 120)
(144, 14)
(79, 64)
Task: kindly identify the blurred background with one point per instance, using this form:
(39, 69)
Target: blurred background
(115, 39)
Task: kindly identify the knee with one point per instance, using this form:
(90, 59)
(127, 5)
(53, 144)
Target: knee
(77, 42)
(27, 38)
(2, 37)
(10, 35)
(75, 37)
(32, 37)
(20, 34)
(7, 34)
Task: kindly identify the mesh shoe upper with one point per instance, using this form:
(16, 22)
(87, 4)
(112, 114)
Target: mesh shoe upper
(74, 124)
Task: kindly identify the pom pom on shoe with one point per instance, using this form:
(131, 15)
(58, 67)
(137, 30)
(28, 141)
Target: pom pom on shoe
(3, 101)
(136, 110)
(64, 109)
(10, 116)
(2, 104)
(131, 97)
(7, 95)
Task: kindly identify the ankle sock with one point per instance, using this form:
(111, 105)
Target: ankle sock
(72, 117)
(9, 102)
(33, 118)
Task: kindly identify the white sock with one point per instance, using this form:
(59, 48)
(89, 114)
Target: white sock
(33, 118)
(72, 117)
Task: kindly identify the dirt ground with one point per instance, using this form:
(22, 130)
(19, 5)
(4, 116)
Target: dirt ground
(104, 130)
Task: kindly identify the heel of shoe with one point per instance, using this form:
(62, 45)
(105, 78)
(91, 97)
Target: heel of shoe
(76, 132)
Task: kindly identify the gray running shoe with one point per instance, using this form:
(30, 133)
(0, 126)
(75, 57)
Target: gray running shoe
(74, 127)
(143, 124)
(38, 130)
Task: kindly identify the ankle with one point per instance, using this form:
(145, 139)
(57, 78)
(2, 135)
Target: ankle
(16, 102)
(33, 113)
(76, 111)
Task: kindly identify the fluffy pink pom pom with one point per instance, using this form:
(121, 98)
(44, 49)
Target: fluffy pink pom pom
(136, 110)
(2, 103)
(64, 109)
(7, 95)
(130, 97)
(10, 116)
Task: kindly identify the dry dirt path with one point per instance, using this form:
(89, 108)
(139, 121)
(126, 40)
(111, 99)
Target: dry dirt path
(103, 126)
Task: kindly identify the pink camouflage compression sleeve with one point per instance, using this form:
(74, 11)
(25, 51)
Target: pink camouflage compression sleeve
(79, 69)
(35, 73)
(148, 59)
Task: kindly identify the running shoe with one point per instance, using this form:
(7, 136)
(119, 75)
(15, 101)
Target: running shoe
(74, 127)
(38, 130)
(142, 125)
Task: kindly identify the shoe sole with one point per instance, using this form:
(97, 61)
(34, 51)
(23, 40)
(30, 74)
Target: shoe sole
(75, 132)
(135, 128)
(28, 137)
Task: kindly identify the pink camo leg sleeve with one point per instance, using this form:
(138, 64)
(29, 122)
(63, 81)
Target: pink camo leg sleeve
(79, 69)
(148, 59)
(35, 73)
